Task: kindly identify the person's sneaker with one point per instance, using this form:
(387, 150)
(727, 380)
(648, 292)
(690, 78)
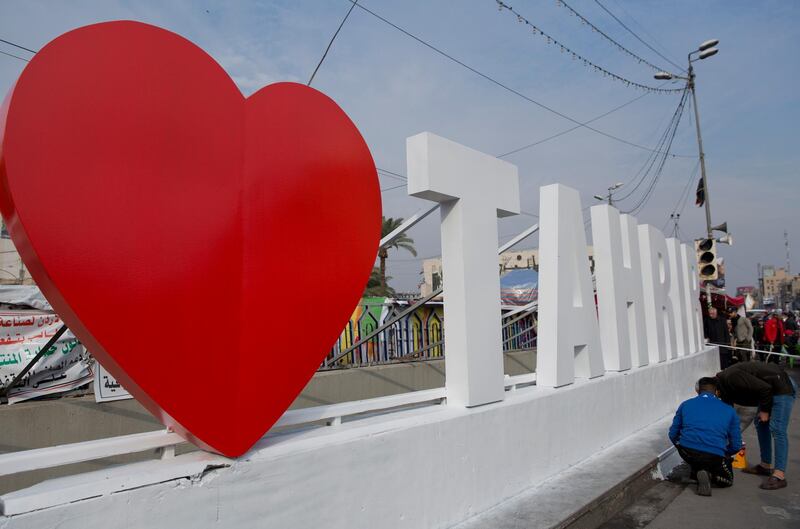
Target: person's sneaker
(703, 483)
(773, 483)
(758, 469)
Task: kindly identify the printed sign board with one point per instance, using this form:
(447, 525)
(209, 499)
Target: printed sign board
(106, 387)
(22, 335)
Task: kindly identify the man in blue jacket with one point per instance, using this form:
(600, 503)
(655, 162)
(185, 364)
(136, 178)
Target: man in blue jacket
(706, 433)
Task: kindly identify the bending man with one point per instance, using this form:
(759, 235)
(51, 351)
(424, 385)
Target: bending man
(771, 389)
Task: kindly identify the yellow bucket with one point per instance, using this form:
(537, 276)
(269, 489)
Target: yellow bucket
(740, 459)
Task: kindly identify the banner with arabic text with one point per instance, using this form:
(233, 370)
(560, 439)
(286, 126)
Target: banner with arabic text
(106, 387)
(22, 335)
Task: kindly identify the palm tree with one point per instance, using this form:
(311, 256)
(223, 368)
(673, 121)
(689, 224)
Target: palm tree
(374, 287)
(401, 241)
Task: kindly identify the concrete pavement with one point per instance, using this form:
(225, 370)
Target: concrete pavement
(743, 506)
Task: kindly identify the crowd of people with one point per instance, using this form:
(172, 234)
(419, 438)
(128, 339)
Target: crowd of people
(753, 387)
(752, 337)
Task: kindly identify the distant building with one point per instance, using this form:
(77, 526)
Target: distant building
(779, 285)
(510, 260)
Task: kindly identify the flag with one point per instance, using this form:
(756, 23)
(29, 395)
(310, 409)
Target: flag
(700, 194)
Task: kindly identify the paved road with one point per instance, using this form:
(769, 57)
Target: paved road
(743, 506)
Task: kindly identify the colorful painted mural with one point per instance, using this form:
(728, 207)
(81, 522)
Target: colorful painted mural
(418, 335)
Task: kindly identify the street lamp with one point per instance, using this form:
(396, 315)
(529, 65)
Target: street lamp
(610, 193)
(704, 51)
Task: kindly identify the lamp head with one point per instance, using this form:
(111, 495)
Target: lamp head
(705, 54)
(708, 44)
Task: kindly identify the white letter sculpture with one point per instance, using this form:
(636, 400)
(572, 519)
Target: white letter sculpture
(691, 300)
(657, 306)
(568, 340)
(473, 189)
(619, 288)
(677, 287)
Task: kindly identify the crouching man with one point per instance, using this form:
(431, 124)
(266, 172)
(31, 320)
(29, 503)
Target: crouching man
(706, 433)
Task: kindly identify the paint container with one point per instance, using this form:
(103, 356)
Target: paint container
(740, 459)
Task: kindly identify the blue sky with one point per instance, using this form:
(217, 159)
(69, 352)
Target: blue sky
(393, 87)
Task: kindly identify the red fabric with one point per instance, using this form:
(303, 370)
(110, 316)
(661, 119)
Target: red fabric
(737, 301)
(773, 331)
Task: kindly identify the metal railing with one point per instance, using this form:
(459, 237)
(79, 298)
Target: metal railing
(330, 415)
(392, 340)
(416, 332)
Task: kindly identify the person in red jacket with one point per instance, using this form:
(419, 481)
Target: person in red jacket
(773, 336)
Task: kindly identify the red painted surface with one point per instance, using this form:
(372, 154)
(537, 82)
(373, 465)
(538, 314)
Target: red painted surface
(137, 181)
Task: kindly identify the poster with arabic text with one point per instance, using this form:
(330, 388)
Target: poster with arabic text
(65, 366)
(106, 387)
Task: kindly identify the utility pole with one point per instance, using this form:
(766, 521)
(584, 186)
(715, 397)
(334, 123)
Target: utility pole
(609, 196)
(704, 51)
(700, 148)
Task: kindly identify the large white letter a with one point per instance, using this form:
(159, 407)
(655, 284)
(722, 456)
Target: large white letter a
(568, 340)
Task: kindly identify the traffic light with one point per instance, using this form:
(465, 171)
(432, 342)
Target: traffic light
(706, 250)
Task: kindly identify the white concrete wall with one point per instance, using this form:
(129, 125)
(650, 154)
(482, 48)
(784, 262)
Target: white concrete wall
(427, 468)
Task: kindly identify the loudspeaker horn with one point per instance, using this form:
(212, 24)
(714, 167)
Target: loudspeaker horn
(726, 239)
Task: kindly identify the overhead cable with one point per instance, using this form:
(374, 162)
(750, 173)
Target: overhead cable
(650, 162)
(17, 46)
(661, 163)
(620, 47)
(506, 87)
(576, 127)
(330, 43)
(15, 56)
(629, 30)
(576, 56)
(677, 210)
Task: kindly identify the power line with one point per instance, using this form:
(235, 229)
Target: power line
(644, 171)
(662, 162)
(15, 56)
(576, 56)
(327, 49)
(692, 177)
(649, 193)
(18, 46)
(391, 174)
(393, 188)
(644, 29)
(504, 86)
(683, 197)
(616, 44)
(576, 127)
(629, 30)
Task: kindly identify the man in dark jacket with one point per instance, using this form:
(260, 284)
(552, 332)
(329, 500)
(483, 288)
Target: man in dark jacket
(790, 330)
(716, 331)
(706, 433)
(771, 389)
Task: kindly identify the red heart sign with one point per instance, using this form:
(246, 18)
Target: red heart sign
(207, 248)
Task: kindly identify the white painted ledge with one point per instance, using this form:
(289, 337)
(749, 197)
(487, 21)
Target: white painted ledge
(16, 462)
(24, 461)
(335, 412)
(60, 491)
(429, 466)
